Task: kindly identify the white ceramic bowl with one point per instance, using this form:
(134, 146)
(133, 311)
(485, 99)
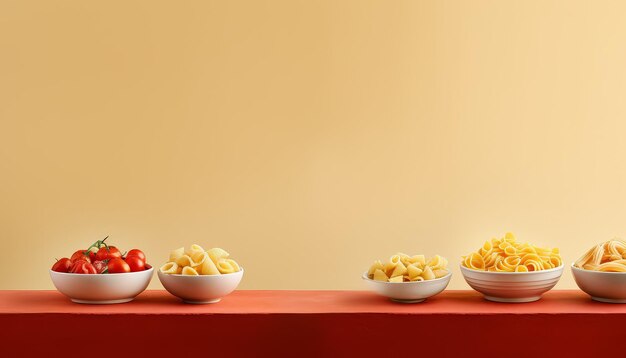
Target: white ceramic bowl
(101, 288)
(408, 292)
(512, 286)
(201, 288)
(601, 286)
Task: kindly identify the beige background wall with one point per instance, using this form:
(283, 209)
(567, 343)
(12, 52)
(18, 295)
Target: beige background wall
(308, 138)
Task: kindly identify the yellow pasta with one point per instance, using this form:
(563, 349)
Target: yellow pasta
(609, 256)
(404, 268)
(379, 275)
(208, 268)
(508, 255)
(399, 270)
(176, 254)
(197, 261)
(170, 267)
(199, 257)
(196, 248)
(414, 272)
(226, 266)
(376, 266)
(428, 273)
(188, 270)
(216, 254)
(234, 265)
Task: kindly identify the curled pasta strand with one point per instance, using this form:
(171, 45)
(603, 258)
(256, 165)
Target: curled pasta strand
(507, 255)
(608, 256)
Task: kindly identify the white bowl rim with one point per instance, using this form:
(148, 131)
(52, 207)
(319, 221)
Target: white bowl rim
(181, 275)
(101, 274)
(595, 271)
(463, 268)
(398, 283)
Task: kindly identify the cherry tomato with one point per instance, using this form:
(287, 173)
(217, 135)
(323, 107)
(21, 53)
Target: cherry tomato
(80, 255)
(108, 253)
(62, 265)
(100, 266)
(137, 253)
(135, 263)
(92, 253)
(83, 267)
(118, 265)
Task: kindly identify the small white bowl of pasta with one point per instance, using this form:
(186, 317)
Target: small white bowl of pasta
(200, 289)
(514, 287)
(601, 272)
(505, 270)
(408, 279)
(102, 289)
(408, 292)
(200, 276)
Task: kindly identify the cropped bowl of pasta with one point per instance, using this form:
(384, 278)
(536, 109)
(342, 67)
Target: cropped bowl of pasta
(601, 272)
(505, 270)
(408, 279)
(200, 276)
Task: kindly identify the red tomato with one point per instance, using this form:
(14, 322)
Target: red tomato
(92, 254)
(62, 265)
(100, 266)
(118, 266)
(137, 253)
(135, 263)
(108, 253)
(80, 255)
(83, 267)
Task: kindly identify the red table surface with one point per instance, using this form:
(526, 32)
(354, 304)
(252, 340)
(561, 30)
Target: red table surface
(313, 324)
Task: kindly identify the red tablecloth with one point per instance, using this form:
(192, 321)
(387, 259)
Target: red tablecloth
(311, 323)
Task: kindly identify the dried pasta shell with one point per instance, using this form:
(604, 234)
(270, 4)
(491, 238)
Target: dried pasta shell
(377, 265)
(190, 271)
(169, 268)
(428, 273)
(399, 270)
(414, 272)
(440, 273)
(196, 247)
(389, 267)
(208, 268)
(216, 254)
(419, 260)
(185, 260)
(224, 266)
(379, 275)
(175, 254)
(234, 264)
(198, 257)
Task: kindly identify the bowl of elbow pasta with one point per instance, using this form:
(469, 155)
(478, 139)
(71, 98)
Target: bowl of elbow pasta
(200, 276)
(505, 270)
(601, 272)
(408, 279)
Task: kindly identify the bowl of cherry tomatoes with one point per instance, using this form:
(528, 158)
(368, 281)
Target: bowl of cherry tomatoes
(102, 274)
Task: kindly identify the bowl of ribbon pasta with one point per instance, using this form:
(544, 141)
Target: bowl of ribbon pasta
(601, 272)
(200, 276)
(505, 270)
(408, 279)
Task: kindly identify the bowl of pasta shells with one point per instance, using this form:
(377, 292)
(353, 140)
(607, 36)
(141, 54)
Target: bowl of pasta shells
(505, 270)
(601, 272)
(200, 276)
(408, 279)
